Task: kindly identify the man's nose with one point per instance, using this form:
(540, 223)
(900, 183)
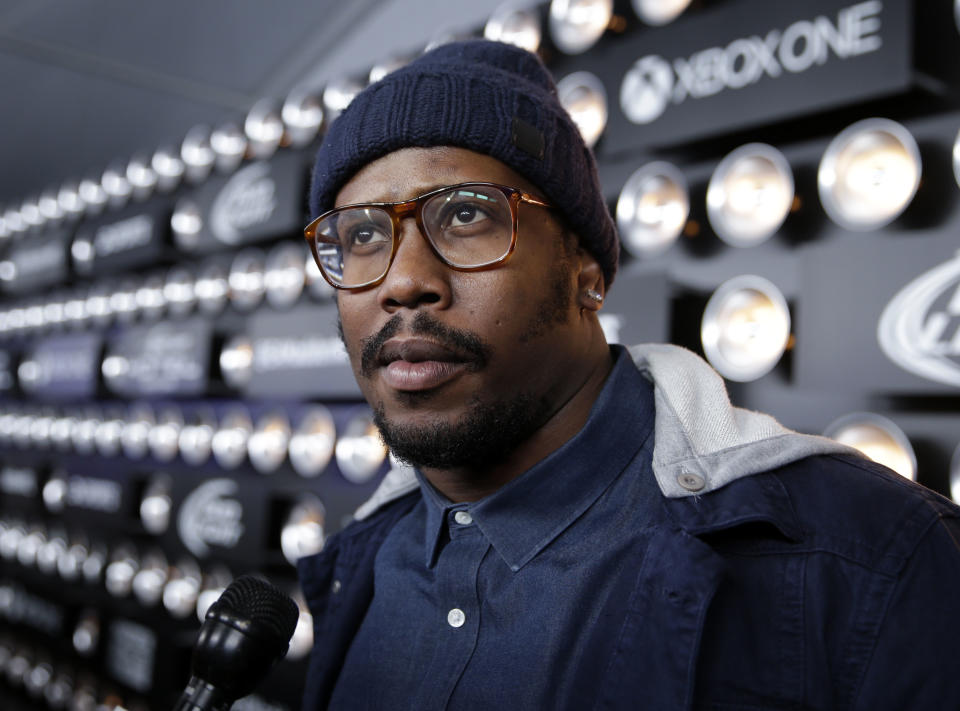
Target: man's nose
(416, 277)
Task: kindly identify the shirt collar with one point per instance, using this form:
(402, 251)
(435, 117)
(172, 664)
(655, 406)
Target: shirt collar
(525, 515)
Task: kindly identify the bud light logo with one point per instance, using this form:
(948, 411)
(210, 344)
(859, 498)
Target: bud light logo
(209, 516)
(247, 201)
(653, 83)
(920, 328)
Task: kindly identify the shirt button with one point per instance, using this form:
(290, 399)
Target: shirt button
(463, 518)
(456, 618)
(691, 481)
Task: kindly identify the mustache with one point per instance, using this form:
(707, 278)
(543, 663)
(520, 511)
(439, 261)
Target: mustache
(461, 341)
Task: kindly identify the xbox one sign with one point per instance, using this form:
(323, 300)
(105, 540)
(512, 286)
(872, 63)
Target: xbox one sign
(653, 83)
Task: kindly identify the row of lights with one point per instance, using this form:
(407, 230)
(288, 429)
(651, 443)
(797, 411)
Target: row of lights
(868, 175)
(182, 589)
(575, 25)
(229, 440)
(53, 684)
(253, 276)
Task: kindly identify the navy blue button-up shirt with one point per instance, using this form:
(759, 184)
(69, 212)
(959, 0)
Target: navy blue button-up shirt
(490, 604)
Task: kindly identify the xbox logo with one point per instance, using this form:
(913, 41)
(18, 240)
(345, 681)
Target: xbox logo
(647, 88)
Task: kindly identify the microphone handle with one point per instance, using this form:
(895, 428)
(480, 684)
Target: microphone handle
(201, 695)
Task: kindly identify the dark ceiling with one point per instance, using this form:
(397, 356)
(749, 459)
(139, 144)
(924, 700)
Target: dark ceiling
(88, 82)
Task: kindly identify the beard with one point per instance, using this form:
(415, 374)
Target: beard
(488, 431)
(484, 435)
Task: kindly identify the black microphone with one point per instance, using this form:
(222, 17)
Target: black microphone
(245, 632)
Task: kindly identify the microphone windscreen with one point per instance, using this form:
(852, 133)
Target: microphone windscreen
(254, 599)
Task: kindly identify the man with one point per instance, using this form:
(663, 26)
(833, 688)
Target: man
(582, 526)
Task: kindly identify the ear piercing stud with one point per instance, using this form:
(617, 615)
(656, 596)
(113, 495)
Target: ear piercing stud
(595, 295)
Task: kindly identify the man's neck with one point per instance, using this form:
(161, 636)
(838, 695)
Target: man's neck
(471, 483)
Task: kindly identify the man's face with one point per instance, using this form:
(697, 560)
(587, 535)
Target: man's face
(460, 367)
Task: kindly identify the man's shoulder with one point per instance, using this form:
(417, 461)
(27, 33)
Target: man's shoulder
(853, 507)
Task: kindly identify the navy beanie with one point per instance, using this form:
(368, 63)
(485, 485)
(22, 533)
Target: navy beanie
(488, 97)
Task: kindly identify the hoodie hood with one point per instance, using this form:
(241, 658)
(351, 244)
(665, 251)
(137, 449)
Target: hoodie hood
(702, 442)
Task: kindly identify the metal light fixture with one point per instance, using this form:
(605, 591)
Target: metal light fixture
(49, 207)
(576, 25)
(337, 96)
(141, 176)
(583, 96)
(318, 287)
(213, 584)
(267, 446)
(384, 67)
(229, 145)
(302, 114)
(135, 436)
(169, 168)
(284, 275)
(246, 279)
(54, 492)
(878, 438)
(93, 196)
(360, 451)
(745, 328)
(86, 635)
(186, 224)
(68, 197)
(869, 174)
(196, 437)
(264, 129)
(123, 301)
(750, 194)
(98, 304)
(179, 291)
(156, 505)
(515, 22)
(30, 213)
(163, 438)
(115, 185)
(120, 571)
(313, 441)
(659, 12)
(197, 154)
(181, 589)
(236, 362)
(149, 581)
(230, 439)
(108, 432)
(94, 563)
(50, 552)
(149, 296)
(70, 564)
(652, 209)
(83, 433)
(303, 531)
(212, 288)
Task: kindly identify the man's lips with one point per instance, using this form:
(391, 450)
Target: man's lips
(416, 364)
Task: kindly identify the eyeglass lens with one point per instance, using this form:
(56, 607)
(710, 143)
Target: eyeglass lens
(468, 226)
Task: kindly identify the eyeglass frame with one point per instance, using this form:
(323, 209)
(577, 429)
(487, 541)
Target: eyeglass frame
(402, 209)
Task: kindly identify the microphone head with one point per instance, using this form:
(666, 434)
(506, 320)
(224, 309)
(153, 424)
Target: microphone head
(245, 632)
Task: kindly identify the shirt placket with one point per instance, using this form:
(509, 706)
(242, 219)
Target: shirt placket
(458, 605)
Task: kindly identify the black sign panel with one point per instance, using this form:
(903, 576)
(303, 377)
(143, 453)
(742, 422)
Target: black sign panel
(62, 367)
(636, 308)
(130, 238)
(35, 262)
(897, 331)
(703, 75)
(167, 358)
(299, 353)
(261, 200)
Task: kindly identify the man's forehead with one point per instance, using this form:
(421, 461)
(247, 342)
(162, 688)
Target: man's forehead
(409, 172)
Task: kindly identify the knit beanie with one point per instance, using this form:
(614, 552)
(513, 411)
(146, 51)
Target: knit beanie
(488, 97)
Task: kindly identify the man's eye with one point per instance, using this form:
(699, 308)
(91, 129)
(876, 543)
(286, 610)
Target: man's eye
(465, 214)
(362, 235)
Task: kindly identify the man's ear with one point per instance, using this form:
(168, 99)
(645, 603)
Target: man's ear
(590, 284)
